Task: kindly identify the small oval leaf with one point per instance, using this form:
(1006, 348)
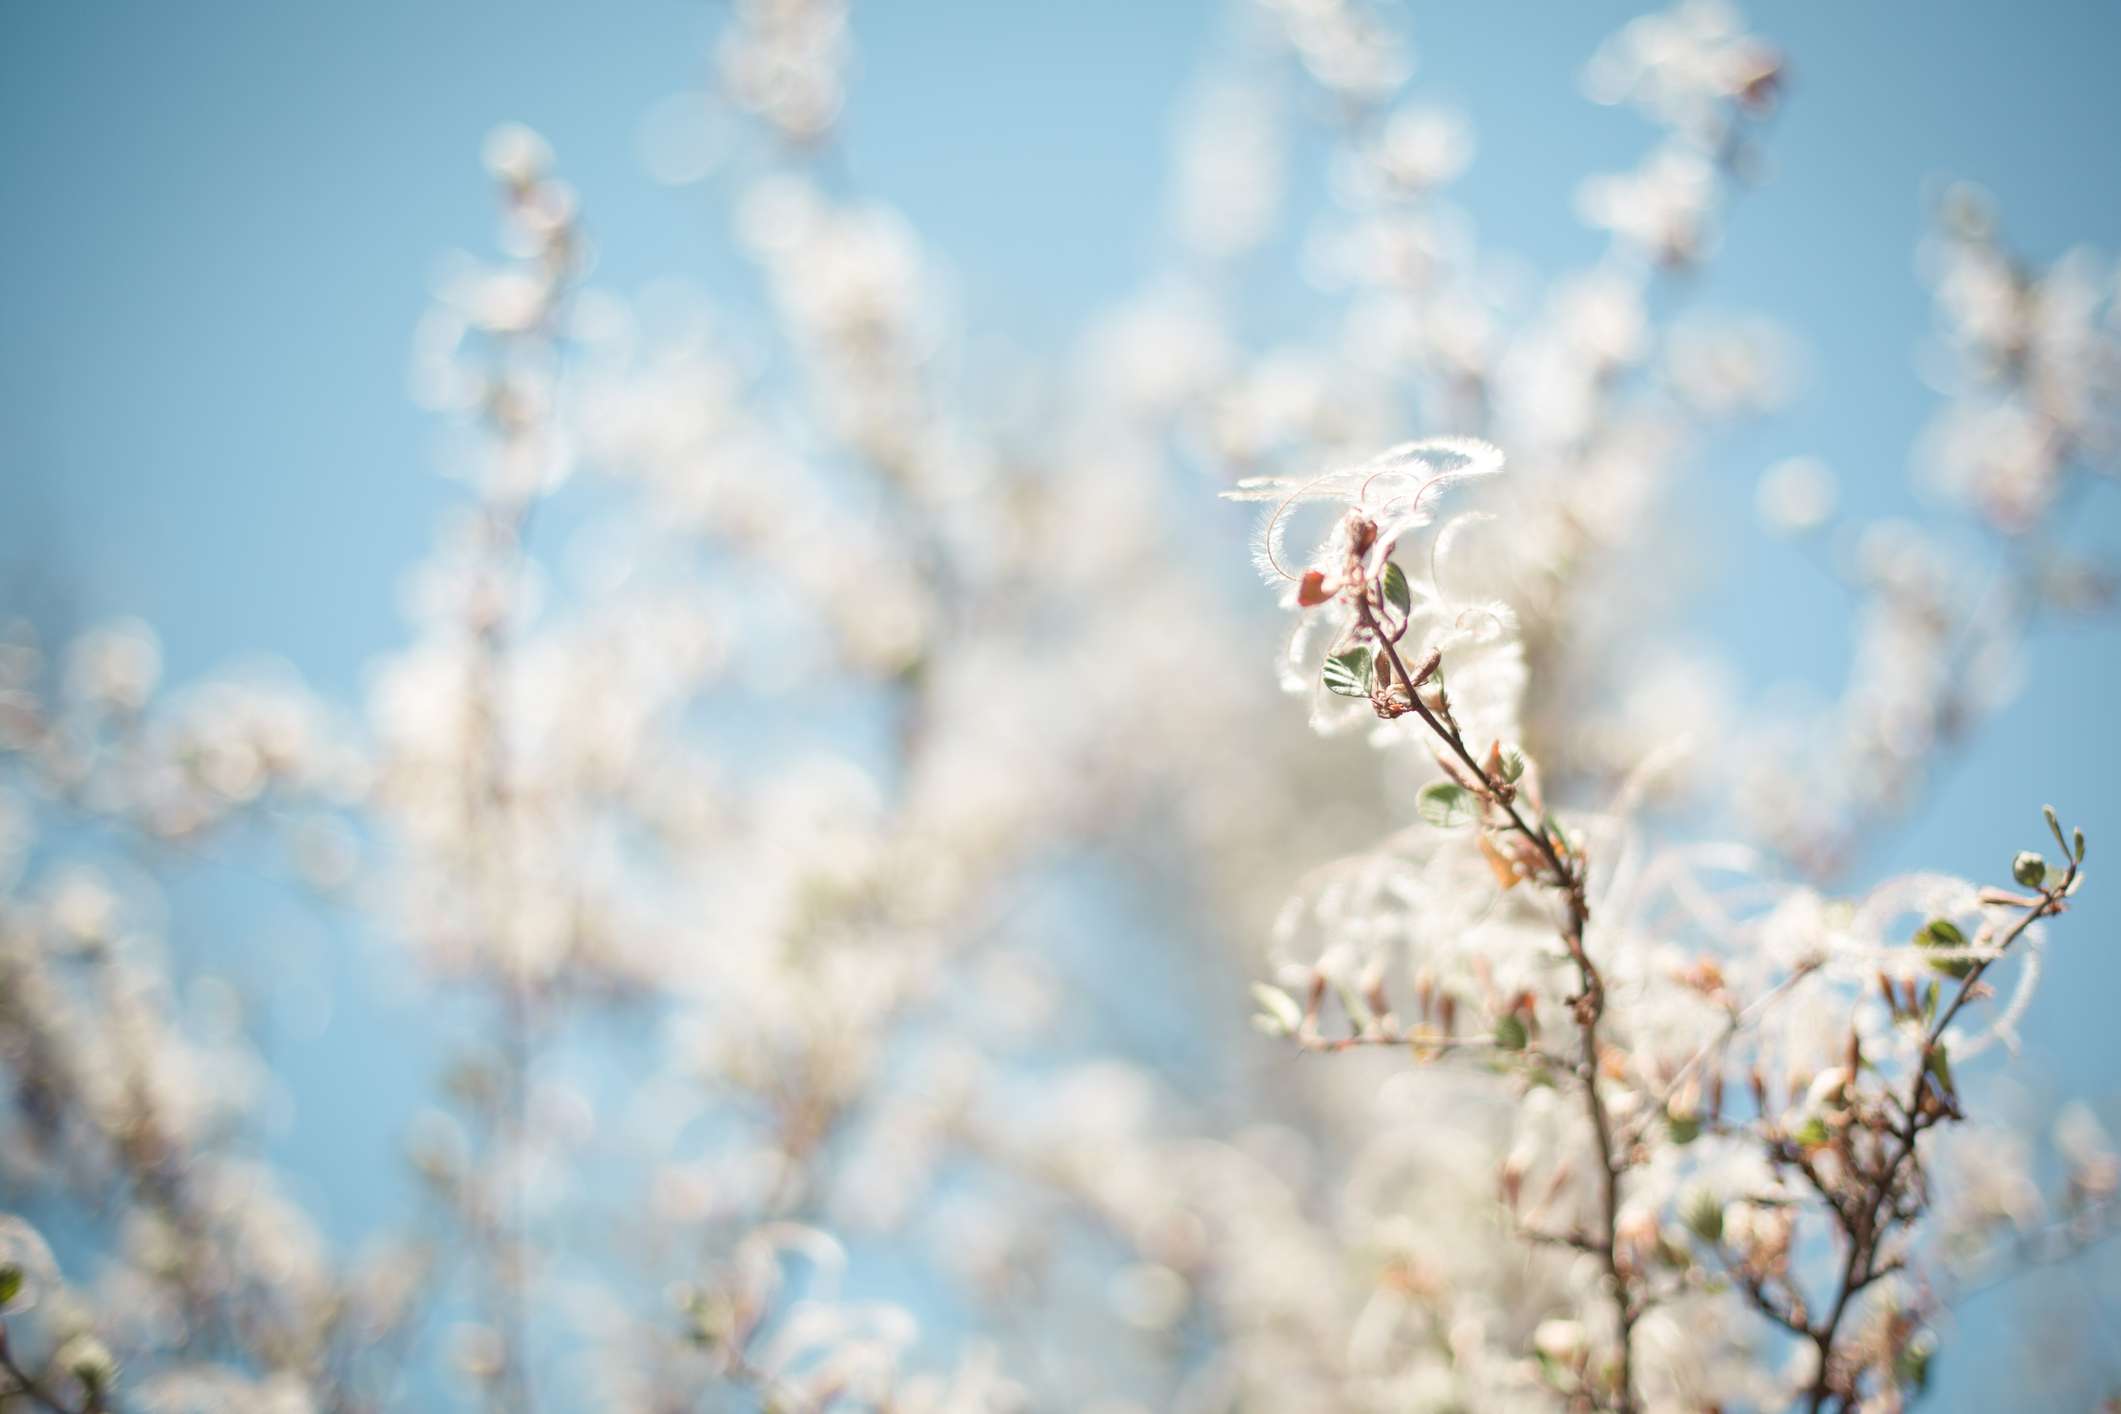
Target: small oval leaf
(1398, 593)
(1446, 805)
(1351, 673)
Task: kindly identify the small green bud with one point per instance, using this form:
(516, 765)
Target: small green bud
(2029, 869)
(10, 1281)
(88, 1360)
(1512, 764)
(1684, 1129)
(1510, 1033)
(1812, 1134)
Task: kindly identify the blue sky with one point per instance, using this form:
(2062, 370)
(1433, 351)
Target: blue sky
(223, 221)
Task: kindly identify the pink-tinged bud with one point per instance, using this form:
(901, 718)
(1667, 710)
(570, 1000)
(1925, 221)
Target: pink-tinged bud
(1374, 995)
(1311, 591)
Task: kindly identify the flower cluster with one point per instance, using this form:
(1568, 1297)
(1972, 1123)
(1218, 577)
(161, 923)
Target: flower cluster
(815, 819)
(1717, 1088)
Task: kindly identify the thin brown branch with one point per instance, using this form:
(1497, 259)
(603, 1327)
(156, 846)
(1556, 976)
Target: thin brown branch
(1589, 1005)
(1865, 1224)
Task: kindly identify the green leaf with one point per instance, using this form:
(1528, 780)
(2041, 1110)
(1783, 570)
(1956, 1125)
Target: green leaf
(1351, 673)
(1277, 1009)
(1813, 1134)
(10, 1282)
(1510, 1033)
(1512, 764)
(1939, 1064)
(1911, 1367)
(1704, 1216)
(1446, 805)
(1943, 933)
(1398, 593)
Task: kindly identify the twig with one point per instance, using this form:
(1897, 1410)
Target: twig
(1862, 1223)
(1589, 1005)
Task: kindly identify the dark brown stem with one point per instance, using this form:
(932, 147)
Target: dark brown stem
(1865, 1224)
(1589, 1006)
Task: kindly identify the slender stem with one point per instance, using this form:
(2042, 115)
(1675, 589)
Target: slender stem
(1863, 1225)
(1328, 1045)
(1589, 1006)
(1735, 1023)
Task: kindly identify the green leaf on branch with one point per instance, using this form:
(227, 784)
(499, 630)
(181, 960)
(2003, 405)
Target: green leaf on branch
(1446, 805)
(1911, 1367)
(1278, 1015)
(1943, 933)
(1398, 593)
(1510, 1033)
(1351, 673)
(1704, 1216)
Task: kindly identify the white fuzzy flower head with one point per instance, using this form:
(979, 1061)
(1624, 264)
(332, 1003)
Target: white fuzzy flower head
(1388, 631)
(1396, 491)
(1796, 495)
